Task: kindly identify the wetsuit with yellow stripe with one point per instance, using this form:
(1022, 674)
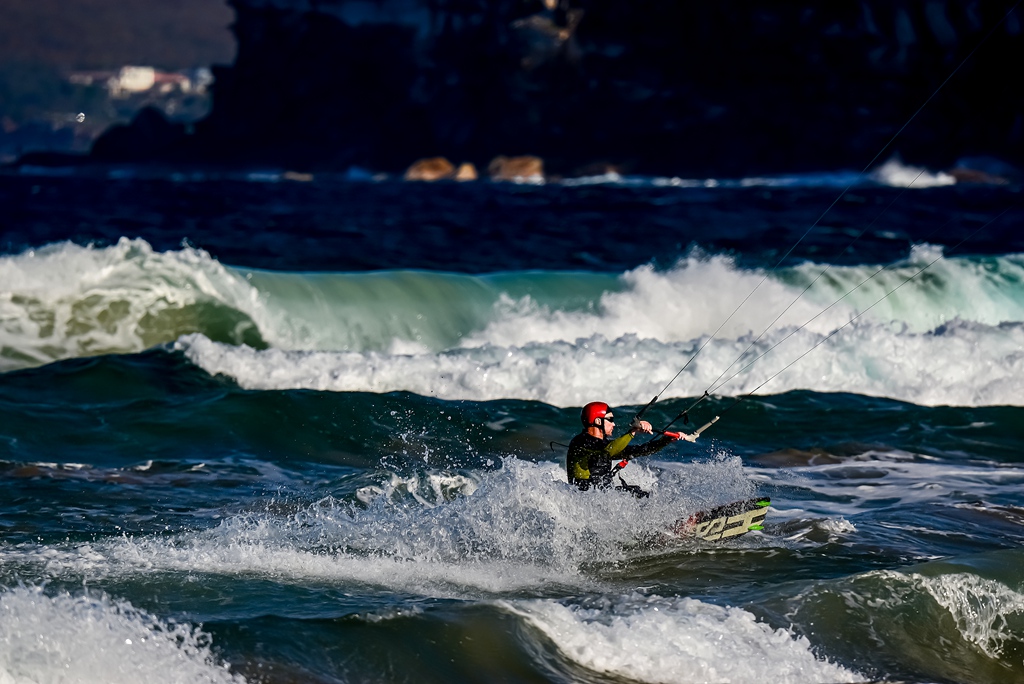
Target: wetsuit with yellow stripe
(589, 461)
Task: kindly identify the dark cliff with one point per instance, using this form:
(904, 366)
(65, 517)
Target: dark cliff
(656, 86)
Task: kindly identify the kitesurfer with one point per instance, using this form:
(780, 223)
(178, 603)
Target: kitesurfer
(592, 452)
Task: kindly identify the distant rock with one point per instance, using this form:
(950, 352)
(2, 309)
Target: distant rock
(525, 169)
(466, 172)
(431, 169)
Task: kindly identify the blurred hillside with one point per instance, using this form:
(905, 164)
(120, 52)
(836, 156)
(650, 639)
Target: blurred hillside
(44, 42)
(663, 87)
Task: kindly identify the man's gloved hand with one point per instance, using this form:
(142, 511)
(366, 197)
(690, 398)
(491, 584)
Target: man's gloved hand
(636, 425)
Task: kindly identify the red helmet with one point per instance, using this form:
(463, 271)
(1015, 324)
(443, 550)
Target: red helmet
(594, 411)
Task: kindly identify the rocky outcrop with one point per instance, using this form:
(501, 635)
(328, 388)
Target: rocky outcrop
(527, 168)
(466, 172)
(430, 169)
(658, 86)
(439, 168)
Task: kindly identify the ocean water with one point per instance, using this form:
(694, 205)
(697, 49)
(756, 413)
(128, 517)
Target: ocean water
(263, 431)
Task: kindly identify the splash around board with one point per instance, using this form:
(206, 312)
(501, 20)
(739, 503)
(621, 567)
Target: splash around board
(724, 522)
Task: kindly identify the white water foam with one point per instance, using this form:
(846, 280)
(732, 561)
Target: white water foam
(95, 639)
(961, 364)
(897, 174)
(696, 297)
(519, 528)
(690, 300)
(658, 639)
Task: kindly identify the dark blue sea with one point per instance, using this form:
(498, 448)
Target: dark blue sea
(263, 427)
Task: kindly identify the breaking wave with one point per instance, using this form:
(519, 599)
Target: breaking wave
(950, 336)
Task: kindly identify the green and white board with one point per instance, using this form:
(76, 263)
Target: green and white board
(725, 522)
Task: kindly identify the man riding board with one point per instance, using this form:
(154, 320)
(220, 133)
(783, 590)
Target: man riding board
(592, 452)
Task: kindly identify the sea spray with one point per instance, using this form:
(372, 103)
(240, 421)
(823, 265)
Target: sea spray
(437, 533)
(91, 638)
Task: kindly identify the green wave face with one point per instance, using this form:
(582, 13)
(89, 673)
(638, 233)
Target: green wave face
(409, 309)
(67, 301)
(925, 291)
(959, 619)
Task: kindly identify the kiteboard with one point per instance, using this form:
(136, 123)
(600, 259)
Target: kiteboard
(725, 522)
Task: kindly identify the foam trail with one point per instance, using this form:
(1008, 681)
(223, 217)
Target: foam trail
(656, 639)
(438, 534)
(93, 638)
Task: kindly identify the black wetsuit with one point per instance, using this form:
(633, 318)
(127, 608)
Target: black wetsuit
(589, 460)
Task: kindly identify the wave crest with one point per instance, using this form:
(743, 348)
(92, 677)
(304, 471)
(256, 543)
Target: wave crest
(950, 336)
(67, 301)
